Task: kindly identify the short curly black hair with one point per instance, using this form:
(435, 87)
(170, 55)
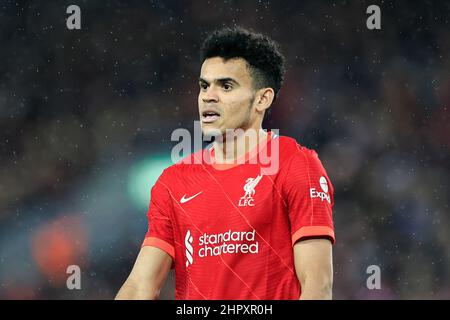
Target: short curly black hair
(265, 61)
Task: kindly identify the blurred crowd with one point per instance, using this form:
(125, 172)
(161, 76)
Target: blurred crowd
(79, 107)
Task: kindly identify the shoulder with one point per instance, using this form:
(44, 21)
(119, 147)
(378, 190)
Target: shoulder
(290, 149)
(302, 165)
(185, 165)
(298, 163)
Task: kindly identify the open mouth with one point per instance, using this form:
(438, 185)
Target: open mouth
(209, 116)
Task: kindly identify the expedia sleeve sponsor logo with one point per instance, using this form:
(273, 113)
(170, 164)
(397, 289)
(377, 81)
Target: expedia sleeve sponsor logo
(323, 195)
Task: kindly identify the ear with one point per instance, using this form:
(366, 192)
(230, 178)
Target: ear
(264, 99)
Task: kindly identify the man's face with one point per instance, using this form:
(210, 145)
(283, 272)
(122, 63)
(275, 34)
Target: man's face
(226, 95)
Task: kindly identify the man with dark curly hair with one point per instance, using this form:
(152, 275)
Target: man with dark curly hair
(250, 216)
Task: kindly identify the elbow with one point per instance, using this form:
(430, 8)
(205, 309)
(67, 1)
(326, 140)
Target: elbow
(154, 295)
(137, 292)
(317, 289)
(327, 290)
(324, 291)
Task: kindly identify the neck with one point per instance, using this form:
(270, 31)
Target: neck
(237, 143)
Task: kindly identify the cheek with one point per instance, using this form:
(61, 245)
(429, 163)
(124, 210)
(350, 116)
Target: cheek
(238, 104)
(235, 107)
(234, 111)
(241, 108)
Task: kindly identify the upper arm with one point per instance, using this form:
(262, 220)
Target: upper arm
(313, 260)
(159, 215)
(157, 251)
(309, 197)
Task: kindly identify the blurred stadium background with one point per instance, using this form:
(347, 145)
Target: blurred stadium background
(86, 118)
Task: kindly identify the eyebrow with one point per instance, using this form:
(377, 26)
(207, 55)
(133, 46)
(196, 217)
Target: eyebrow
(220, 80)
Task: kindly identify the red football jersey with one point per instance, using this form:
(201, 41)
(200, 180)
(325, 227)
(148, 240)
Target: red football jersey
(230, 229)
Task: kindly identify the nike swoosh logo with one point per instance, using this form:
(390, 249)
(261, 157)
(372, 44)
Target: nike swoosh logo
(184, 199)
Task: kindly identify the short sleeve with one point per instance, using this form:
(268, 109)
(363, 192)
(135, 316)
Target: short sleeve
(160, 231)
(309, 195)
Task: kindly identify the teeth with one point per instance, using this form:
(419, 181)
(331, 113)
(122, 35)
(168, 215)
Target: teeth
(210, 116)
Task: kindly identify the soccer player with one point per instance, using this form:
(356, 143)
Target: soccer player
(230, 224)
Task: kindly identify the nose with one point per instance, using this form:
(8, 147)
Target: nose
(210, 95)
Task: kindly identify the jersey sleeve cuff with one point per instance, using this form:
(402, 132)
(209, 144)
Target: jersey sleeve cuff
(160, 244)
(313, 231)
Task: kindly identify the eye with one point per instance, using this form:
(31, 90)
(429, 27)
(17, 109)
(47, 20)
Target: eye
(203, 86)
(227, 86)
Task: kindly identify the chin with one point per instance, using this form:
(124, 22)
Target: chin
(211, 131)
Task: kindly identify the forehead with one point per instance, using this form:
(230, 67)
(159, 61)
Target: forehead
(216, 68)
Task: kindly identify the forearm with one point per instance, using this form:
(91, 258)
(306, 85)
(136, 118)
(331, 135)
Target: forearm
(132, 291)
